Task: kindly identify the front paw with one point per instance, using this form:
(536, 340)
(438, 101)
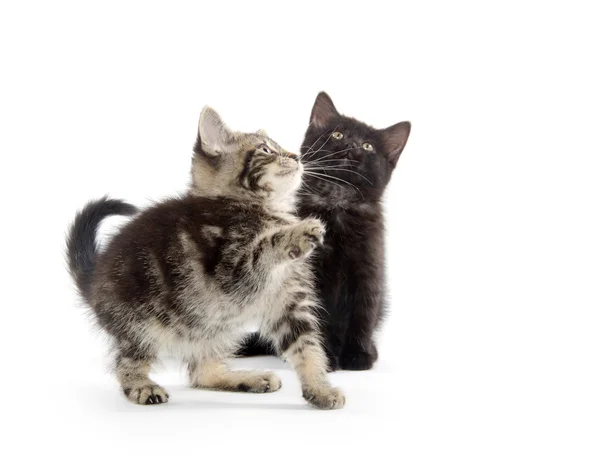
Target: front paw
(146, 393)
(333, 363)
(304, 237)
(357, 360)
(325, 398)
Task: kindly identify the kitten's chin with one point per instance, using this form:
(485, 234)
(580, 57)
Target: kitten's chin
(288, 183)
(297, 180)
(284, 197)
(290, 173)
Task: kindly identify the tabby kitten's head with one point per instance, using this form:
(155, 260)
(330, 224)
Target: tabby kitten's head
(242, 165)
(348, 159)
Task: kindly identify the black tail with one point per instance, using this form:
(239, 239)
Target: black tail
(254, 346)
(81, 241)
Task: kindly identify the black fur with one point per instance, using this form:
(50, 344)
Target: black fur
(343, 187)
(81, 241)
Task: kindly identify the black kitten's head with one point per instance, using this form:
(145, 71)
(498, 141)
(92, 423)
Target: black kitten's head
(348, 158)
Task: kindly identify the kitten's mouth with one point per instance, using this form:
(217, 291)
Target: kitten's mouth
(286, 172)
(290, 169)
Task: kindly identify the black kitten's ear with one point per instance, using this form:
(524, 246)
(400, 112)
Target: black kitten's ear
(213, 135)
(394, 139)
(323, 111)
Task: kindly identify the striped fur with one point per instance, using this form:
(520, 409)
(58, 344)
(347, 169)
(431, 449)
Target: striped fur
(190, 274)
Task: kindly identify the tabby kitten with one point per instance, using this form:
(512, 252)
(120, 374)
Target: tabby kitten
(190, 274)
(348, 166)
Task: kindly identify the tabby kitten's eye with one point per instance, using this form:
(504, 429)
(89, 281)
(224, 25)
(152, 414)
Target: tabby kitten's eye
(337, 135)
(367, 146)
(264, 148)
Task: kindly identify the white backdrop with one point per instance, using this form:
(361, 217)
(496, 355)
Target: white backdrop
(491, 350)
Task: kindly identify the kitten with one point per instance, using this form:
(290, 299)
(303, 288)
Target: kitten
(189, 274)
(348, 165)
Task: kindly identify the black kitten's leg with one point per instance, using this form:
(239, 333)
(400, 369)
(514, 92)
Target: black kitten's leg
(333, 344)
(359, 352)
(333, 322)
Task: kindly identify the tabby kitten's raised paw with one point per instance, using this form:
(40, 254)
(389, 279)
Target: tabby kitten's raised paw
(304, 237)
(327, 398)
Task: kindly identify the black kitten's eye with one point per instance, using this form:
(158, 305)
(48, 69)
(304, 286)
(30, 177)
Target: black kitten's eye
(264, 148)
(337, 135)
(367, 146)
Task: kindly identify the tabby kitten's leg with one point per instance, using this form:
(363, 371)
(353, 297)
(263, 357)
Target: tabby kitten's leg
(296, 337)
(295, 333)
(132, 371)
(214, 374)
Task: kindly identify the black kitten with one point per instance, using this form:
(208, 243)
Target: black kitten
(348, 165)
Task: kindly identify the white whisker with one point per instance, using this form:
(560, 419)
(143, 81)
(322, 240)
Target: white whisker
(328, 155)
(315, 142)
(323, 176)
(342, 162)
(341, 170)
(328, 138)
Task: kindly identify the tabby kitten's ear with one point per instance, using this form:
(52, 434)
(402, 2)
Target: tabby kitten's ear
(394, 139)
(213, 134)
(323, 111)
